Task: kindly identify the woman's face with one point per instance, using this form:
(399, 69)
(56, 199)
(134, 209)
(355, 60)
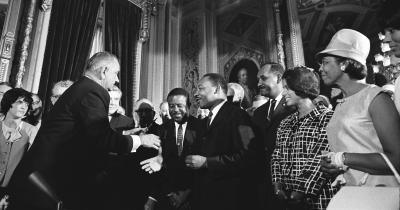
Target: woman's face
(392, 37)
(291, 99)
(330, 70)
(18, 109)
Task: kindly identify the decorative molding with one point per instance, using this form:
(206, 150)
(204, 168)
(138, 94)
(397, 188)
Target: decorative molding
(243, 53)
(279, 34)
(46, 4)
(191, 43)
(26, 42)
(295, 33)
(6, 54)
(7, 45)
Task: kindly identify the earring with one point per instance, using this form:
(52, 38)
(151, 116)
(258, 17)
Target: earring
(342, 68)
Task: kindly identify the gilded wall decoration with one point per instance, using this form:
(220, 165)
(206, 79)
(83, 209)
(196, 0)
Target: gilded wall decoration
(190, 48)
(243, 53)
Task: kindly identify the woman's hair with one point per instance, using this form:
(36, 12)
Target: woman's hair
(303, 81)
(12, 96)
(354, 69)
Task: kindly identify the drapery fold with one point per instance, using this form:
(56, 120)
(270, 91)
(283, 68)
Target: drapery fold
(122, 25)
(69, 39)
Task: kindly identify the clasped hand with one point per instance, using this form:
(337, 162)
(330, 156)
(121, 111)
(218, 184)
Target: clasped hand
(195, 161)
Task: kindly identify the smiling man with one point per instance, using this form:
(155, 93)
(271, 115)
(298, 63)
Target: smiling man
(226, 164)
(267, 118)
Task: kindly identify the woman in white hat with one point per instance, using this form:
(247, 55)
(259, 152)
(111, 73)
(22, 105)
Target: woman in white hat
(365, 122)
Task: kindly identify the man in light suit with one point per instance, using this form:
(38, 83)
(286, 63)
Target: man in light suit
(226, 159)
(72, 137)
(267, 118)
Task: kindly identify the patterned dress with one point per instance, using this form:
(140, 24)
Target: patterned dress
(295, 162)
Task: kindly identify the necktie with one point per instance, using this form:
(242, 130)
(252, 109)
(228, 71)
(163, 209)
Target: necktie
(271, 108)
(179, 141)
(209, 119)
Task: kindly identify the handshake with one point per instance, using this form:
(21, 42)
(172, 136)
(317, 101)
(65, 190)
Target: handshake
(153, 164)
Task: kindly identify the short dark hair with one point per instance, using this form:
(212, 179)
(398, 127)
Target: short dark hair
(274, 68)
(303, 81)
(12, 96)
(218, 80)
(354, 69)
(179, 92)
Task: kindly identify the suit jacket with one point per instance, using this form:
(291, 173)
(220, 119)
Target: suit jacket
(226, 181)
(179, 177)
(267, 127)
(266, 130)
(75, 133)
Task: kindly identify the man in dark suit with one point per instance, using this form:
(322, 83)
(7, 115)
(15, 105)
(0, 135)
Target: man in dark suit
(267, 118)
(178, 141)
(225, 162)
(72, 137)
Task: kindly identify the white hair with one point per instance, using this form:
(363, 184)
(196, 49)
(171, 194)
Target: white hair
(237, 91)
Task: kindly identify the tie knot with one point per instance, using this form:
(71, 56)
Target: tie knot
(210, 114)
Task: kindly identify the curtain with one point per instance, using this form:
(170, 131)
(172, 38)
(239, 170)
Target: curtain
(121, 28)
(72, 24)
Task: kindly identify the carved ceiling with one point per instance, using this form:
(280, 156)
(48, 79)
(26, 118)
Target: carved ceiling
(239, 25)
(320, 19)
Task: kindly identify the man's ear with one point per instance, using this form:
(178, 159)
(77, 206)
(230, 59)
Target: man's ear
(279, 78)
(103, 70)
(217, 89)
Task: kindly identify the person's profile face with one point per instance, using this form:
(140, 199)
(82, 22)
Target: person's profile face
(267, 82)
(111, 75)
(205, 94)
(115, 98)
(330, 70)
(392, 37)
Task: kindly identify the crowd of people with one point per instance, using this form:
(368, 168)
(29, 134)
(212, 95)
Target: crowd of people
(284, 146)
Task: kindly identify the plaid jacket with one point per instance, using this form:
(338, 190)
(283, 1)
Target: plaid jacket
(295, 163)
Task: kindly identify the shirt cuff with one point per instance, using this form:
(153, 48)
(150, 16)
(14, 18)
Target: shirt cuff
(151, 198)
(136, 143)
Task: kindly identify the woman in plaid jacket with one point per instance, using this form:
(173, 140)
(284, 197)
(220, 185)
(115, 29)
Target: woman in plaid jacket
(301, 139)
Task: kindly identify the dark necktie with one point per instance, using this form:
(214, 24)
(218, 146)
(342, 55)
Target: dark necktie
(209, 119)
(179, 141)
(271, 108)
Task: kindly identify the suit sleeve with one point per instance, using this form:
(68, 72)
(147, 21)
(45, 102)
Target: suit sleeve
(93, 115)
(240, 156)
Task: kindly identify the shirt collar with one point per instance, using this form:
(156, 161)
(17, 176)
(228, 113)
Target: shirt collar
(216, 109)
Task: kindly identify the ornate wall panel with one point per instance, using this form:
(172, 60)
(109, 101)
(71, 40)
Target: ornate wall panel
(191, 43)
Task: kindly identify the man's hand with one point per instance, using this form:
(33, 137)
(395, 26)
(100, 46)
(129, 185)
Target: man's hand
(297, 197)
(178, 198)
(150, 141)
(195, 161)
(153, 164)
(150, 204)
(279, 191)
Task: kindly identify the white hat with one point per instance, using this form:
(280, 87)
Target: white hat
(348, 43)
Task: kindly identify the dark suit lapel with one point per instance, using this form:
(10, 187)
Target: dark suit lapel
(219, 117)
(279, 109)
